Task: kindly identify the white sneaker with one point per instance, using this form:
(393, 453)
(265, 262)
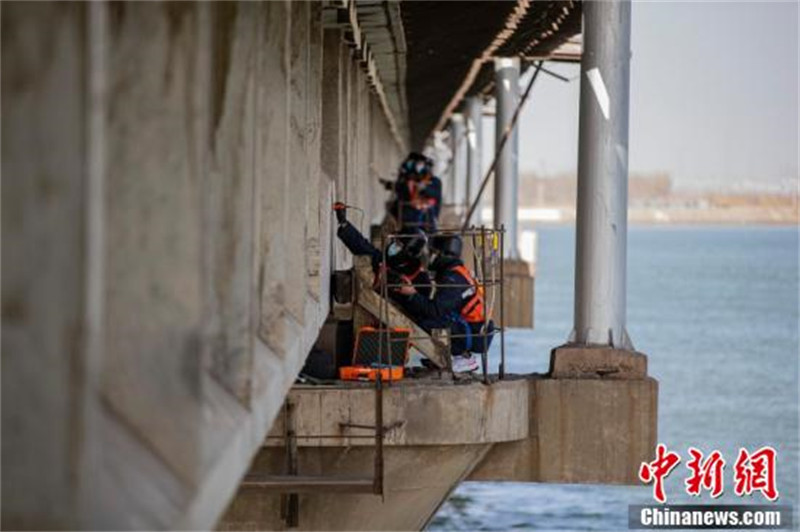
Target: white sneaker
(465, 364)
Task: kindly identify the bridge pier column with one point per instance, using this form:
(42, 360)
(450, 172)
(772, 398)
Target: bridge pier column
(506, 179)
(458, 166)
(473, 111)
(602, 213)
(599, 343)
(518, 293)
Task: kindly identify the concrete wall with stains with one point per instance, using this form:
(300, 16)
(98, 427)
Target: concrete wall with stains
(167, 243)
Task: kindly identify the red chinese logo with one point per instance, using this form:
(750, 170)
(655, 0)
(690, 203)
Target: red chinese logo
(705, 474)
(756, 472)
(752, 472)
(657, 470)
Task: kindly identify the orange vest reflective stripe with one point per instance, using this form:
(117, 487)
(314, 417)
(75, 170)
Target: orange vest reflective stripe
(472, 311)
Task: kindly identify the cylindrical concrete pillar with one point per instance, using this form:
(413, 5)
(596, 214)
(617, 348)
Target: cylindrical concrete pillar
(506, 177)
(458, 139)
(473, 111)
(602, 211)
(443, 163)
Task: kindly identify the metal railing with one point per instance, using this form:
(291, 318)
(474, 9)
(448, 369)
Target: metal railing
(487, 245)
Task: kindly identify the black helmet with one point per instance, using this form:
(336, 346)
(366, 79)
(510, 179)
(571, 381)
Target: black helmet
(414, 241)
(448, 245)
(405, 254)
(416, 164)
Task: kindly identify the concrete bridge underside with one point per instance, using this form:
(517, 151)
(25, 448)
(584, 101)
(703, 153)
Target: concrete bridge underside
(167, 244)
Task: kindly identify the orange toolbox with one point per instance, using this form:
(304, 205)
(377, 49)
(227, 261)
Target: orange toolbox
(367, 359)
(366, 373)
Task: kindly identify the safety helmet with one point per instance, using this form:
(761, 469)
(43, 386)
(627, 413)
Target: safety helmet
(411, 243)
(405, 254)
(447, 245)
(416, 164)
(414, 241)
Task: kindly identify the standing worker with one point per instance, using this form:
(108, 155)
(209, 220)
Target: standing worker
(458, 304)
(418, 194)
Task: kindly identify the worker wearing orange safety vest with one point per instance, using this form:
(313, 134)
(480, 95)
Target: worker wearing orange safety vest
(458, 303)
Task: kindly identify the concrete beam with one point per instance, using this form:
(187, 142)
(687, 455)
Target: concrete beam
(428, 411)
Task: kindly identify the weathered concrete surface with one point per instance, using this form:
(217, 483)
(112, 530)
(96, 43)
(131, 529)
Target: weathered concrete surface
(166, 246)
(525, 429)
(429, 411)
(43, 84)
(581, 431)
(414, 489)
(438, 422)
(518, 290)
(595, 362)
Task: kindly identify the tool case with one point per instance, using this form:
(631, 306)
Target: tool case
(367, 373)
(369, 358)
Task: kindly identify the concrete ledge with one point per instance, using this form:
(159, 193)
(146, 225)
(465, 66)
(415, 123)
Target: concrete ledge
(423, 412)
(589, 362)
(529, 429)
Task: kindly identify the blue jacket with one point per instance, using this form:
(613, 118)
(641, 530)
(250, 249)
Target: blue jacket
(443, 311)
(452, 293)
(411, 217)
(355, 242)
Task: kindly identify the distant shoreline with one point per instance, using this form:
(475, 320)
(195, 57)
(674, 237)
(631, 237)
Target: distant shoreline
(687, 224)
(657, 216)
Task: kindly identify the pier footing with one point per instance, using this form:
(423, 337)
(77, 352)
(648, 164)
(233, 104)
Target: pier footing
(582, 362)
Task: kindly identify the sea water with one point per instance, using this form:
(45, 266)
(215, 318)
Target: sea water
(716, 311)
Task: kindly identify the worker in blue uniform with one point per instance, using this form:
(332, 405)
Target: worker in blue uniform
(418, 194)
(458, 304)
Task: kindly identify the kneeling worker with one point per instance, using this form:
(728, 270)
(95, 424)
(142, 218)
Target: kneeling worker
(457, 305)
(404, 256)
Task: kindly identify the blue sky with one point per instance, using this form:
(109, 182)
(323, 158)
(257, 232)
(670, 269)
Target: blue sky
(714, 97)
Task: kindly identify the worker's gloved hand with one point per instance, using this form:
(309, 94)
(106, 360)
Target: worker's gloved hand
(407, 290)
(341, 212)
(388, 185)
(400, 283)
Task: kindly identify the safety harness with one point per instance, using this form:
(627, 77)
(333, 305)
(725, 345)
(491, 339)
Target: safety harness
(473, 309)
(472, 312)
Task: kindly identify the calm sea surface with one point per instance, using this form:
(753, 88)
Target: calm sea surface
(716, 310)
